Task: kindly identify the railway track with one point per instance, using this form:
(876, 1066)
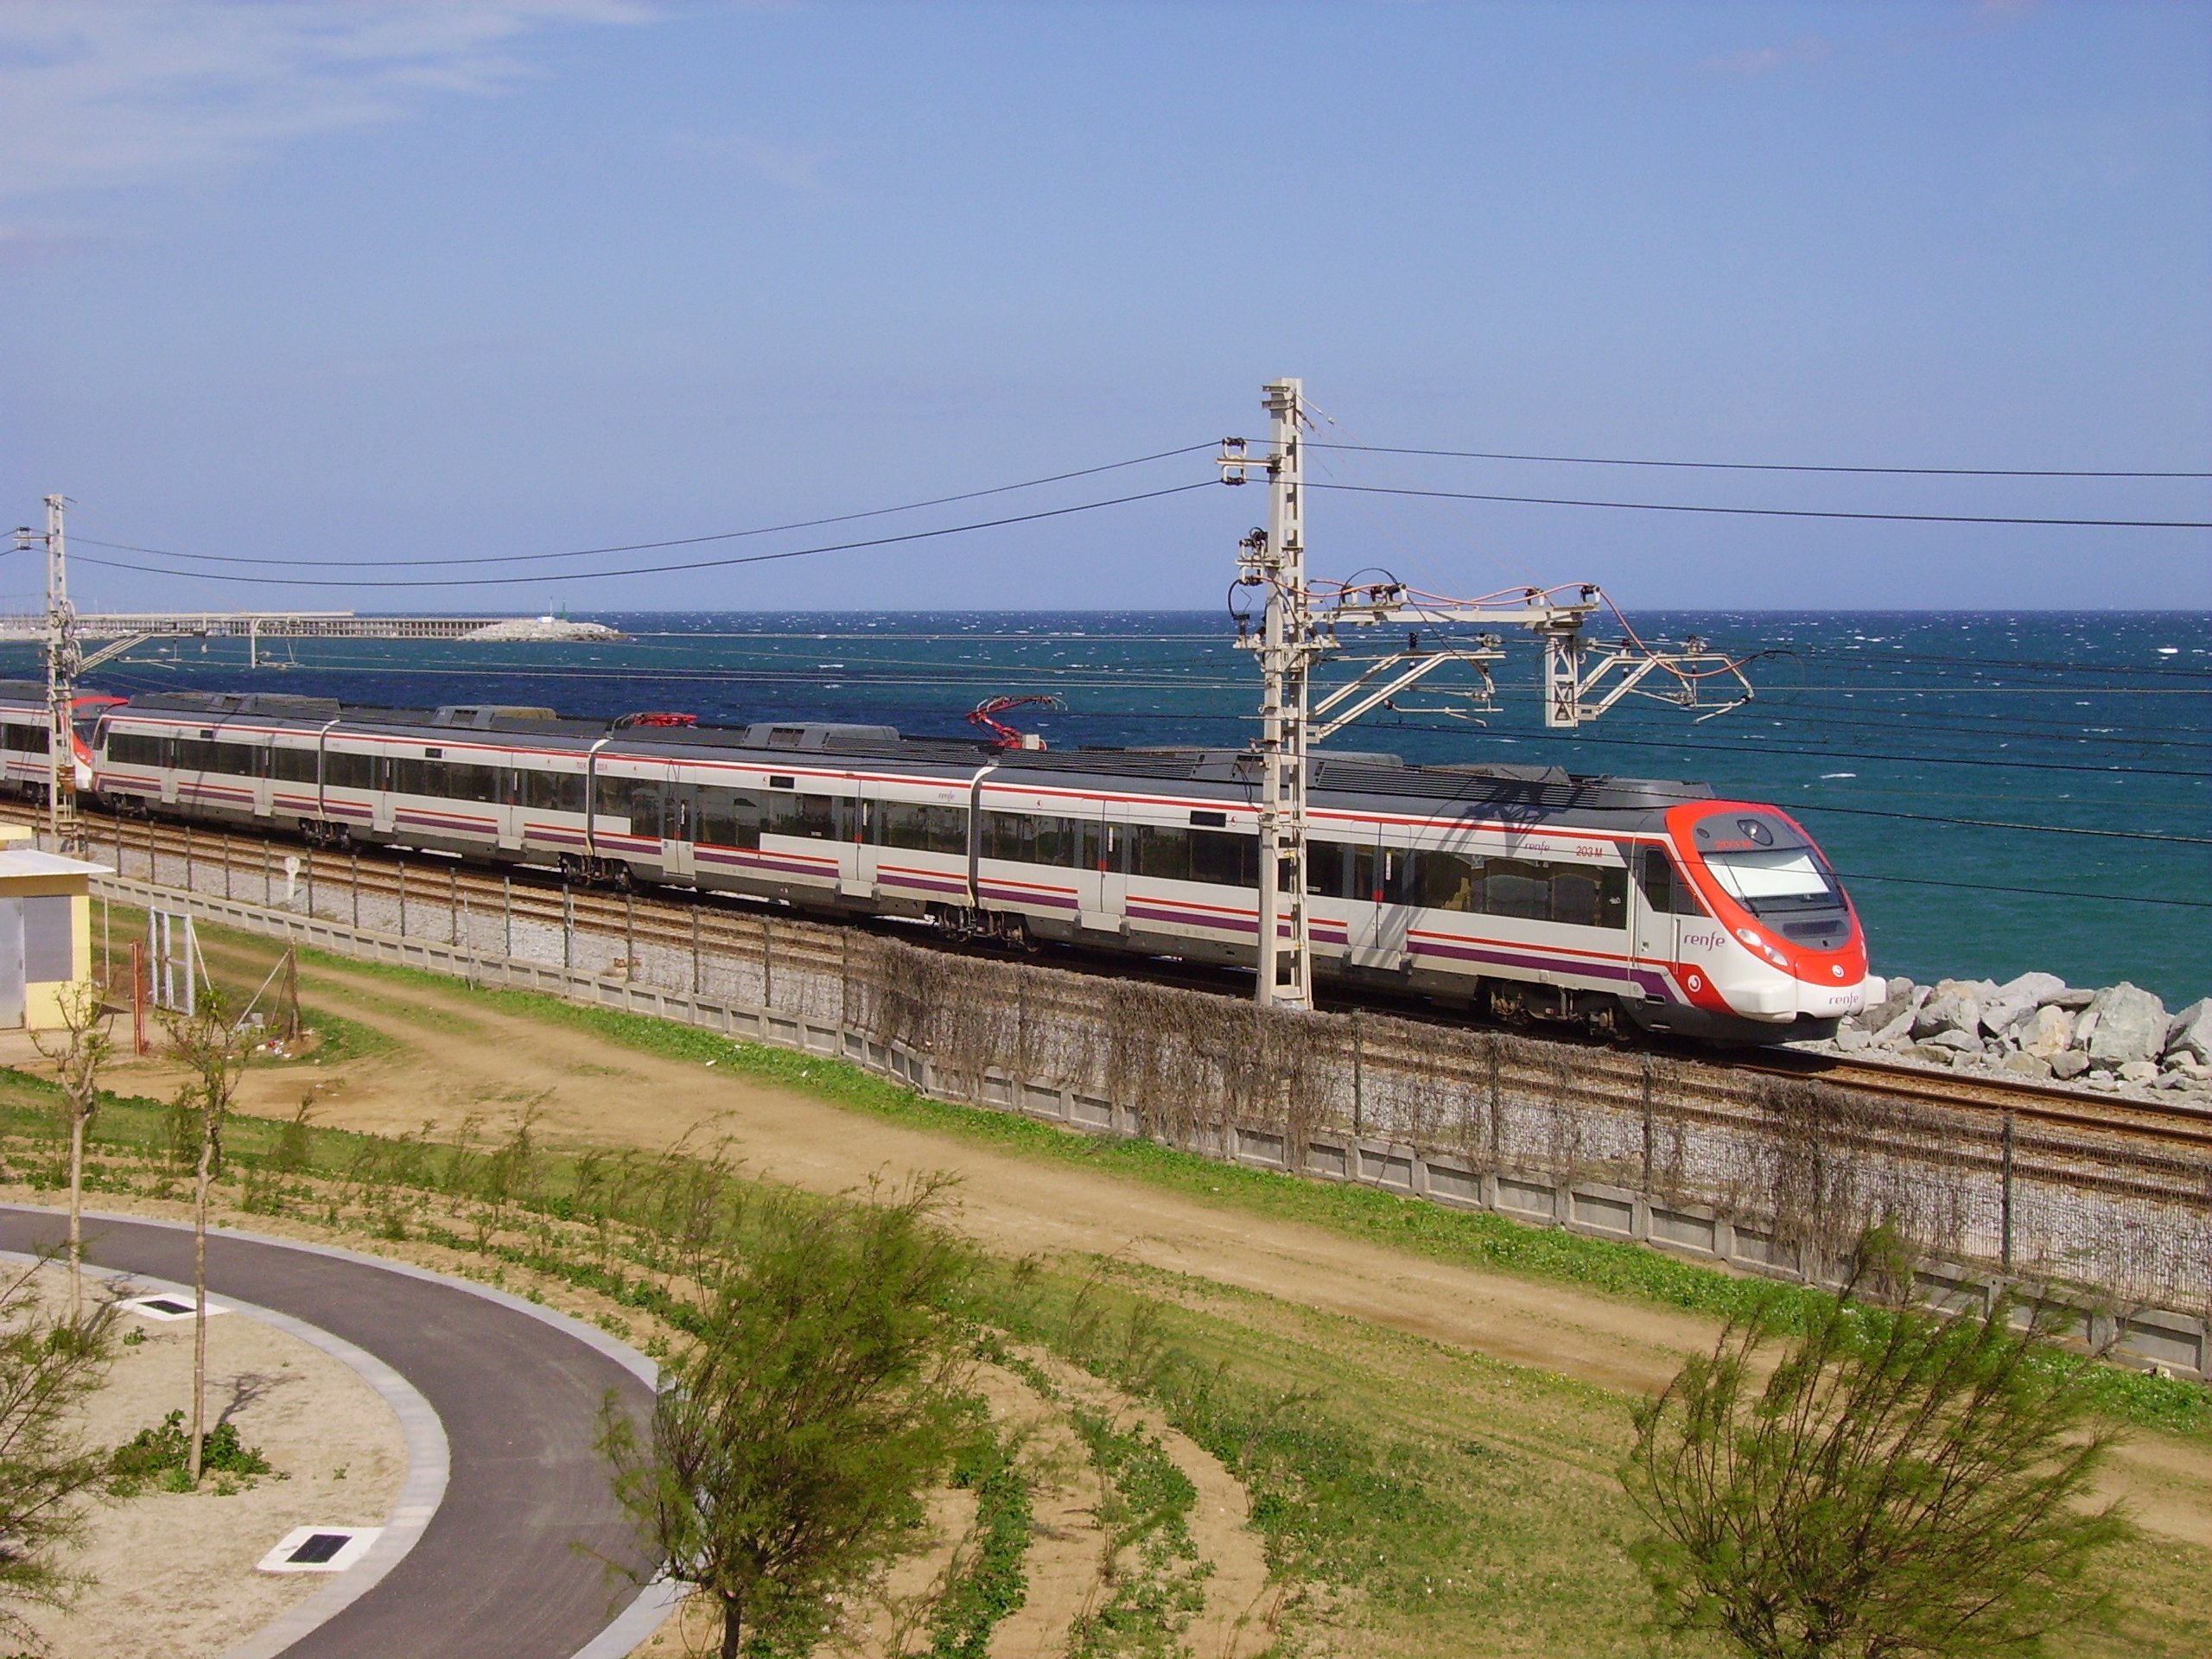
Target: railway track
(712, 927)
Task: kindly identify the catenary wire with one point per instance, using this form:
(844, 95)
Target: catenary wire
(2037, 892)
(641, 547)
(660, 569)
(1754, 466)
(1770, 512)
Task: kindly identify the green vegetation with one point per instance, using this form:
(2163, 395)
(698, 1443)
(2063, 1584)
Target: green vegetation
(1460, 1237)
(1899, 1485)
(49, 1367)
(992, 1582)
(1156, 1583)
(163, 1457)
(792, 1443)
(1432, 1500)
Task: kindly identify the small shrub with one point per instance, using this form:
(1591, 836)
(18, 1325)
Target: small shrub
(159, 1456)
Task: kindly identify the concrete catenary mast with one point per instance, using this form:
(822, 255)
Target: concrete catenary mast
(1583, 677)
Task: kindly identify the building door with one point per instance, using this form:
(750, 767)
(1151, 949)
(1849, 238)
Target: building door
(11, 963)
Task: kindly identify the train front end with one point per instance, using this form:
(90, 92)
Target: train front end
(1777, 954)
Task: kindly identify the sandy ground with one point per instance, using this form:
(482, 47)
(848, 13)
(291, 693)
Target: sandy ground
(175, 1571)
(464, 1061)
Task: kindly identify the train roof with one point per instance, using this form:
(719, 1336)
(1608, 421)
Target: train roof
(1342, 776)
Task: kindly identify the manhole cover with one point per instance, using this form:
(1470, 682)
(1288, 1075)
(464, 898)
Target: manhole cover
(320, 1549)
(165, 1304)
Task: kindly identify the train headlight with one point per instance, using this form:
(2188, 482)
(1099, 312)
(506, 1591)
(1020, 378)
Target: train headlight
(1748, 936)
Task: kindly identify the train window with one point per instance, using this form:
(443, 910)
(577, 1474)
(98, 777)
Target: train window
(1161, 852)
(292, 765)
(458, 781)
(137, 749)
(1223, 858)
(1447, 881)
(1041, 838)
(1514, 887)
(1011, 835)
(28, 740)
(812, 817)
(407, 776)
(925, 828)
(1575, 896)
(544, 790)
(1779, 879)
(729, 817)
(344, 769)
(1328, 869)
(638, 799)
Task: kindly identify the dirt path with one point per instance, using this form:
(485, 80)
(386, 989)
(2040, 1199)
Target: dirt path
(462, 1061)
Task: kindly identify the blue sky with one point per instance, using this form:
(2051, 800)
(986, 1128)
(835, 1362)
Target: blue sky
(365, 283)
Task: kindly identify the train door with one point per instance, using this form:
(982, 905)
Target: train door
(381, 819)
(1653, 924)
(679, 819)
(1390, 887)
(1103, 891)
(855, 857)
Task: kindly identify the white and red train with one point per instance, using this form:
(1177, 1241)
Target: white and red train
(1525, 890)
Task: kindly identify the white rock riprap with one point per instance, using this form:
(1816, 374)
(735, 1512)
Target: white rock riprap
(2118, 1038)
(543, 630)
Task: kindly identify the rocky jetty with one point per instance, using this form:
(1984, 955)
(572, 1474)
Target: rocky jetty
(2117, 1039)
(544, 630)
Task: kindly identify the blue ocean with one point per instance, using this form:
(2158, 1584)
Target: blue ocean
(2000, 792)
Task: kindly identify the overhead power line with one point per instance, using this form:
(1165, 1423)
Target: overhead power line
(652, 569)
(1756, 465)
(1770, 512)
(644, 547)
(1997, 824)
(2036, 892)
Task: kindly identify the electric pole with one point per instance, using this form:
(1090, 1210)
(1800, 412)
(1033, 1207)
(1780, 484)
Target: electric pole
(1274, 558)
(62, 665)
(1584, 678)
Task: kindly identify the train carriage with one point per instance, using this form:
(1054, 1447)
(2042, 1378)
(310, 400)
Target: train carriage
(1526, 890)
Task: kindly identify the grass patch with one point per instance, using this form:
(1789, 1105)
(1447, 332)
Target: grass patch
(1475, 1239)
(1472, 1239)
(1431, 1501)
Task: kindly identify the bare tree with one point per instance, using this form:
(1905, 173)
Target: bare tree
(47, 1368)
(79, 1052)
(1900, 1484)
(213, 1053)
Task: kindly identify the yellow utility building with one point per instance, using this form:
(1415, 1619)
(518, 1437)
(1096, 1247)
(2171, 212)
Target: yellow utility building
(46, 929)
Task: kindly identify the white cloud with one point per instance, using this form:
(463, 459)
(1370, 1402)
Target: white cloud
(114, 95)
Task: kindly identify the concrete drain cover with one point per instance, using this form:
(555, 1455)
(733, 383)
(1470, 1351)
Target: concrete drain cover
(165, 1304)
(320, 1549)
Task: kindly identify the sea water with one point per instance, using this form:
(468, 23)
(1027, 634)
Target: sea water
(2000, 792)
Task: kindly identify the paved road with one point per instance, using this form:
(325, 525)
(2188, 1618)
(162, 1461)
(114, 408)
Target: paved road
(498, 1575)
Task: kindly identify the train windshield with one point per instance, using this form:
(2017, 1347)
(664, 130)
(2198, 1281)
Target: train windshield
(1775, 878)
